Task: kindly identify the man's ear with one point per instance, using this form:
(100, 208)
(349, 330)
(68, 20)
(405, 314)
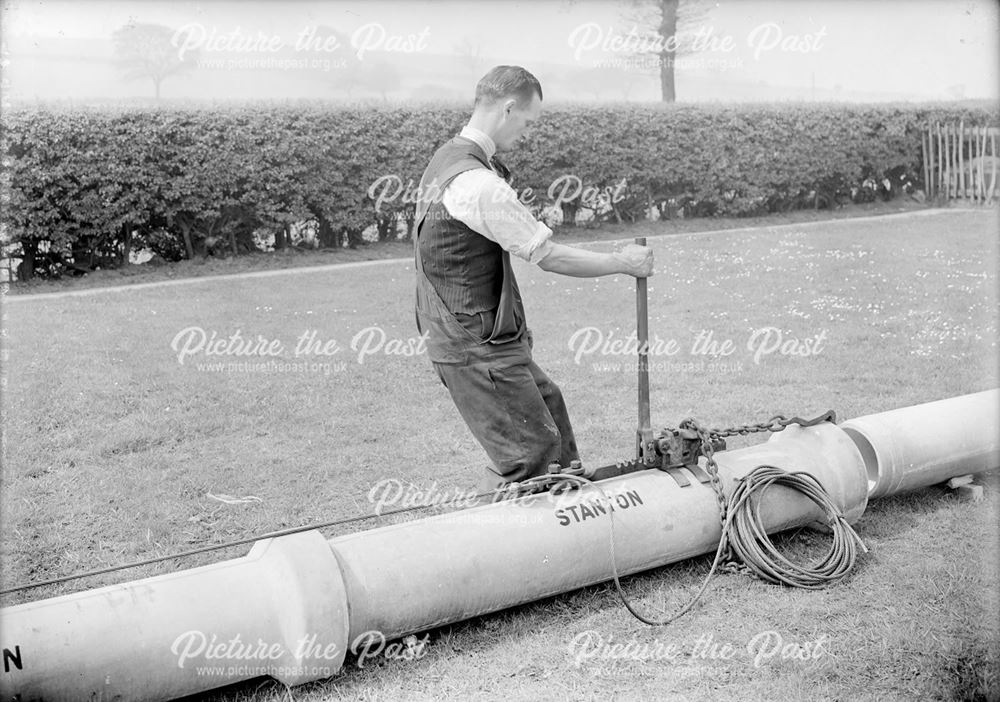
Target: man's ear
(508, 107)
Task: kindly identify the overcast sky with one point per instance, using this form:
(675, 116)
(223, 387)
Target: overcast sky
(911, 49)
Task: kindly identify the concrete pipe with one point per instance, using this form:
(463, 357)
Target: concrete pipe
(293, 606)
(272, 612)
(283, 609)
(917, 446)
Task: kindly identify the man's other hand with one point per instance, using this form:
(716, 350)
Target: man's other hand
(636, 260)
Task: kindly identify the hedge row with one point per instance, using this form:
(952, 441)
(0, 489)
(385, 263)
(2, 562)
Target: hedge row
(84, 187)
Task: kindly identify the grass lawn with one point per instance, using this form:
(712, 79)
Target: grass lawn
(113, 447)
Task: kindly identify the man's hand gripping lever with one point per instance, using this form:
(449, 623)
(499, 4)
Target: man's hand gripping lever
(636, 259)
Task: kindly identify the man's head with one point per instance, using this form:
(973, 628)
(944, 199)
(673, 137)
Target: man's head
(508, 100)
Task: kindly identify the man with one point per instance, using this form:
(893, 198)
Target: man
(468, 222)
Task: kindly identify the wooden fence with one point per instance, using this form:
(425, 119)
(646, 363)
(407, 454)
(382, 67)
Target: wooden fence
(962, 162)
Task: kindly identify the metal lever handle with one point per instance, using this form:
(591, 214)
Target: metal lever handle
(645, 450)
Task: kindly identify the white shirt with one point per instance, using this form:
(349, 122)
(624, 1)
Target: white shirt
(486, 204)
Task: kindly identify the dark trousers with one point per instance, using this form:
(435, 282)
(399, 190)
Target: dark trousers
(513, 409)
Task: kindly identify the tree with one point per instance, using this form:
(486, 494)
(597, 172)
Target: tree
(148, 51)
(670, 27)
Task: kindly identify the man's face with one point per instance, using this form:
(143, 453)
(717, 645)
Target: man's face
(515, 121)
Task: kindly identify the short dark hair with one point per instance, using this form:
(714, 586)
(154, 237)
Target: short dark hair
(507, 81)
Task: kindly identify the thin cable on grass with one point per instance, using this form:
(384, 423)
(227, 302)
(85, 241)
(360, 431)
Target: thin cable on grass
(227, 544)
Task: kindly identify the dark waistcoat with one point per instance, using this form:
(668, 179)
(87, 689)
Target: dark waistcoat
(465, 268)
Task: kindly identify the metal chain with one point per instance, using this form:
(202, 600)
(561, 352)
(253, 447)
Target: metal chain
(775, 424)
(705, 440)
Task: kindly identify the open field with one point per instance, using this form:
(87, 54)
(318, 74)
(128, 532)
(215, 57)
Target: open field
(113, 445)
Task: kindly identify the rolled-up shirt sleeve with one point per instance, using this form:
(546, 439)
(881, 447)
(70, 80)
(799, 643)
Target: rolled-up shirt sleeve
(485, 203)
